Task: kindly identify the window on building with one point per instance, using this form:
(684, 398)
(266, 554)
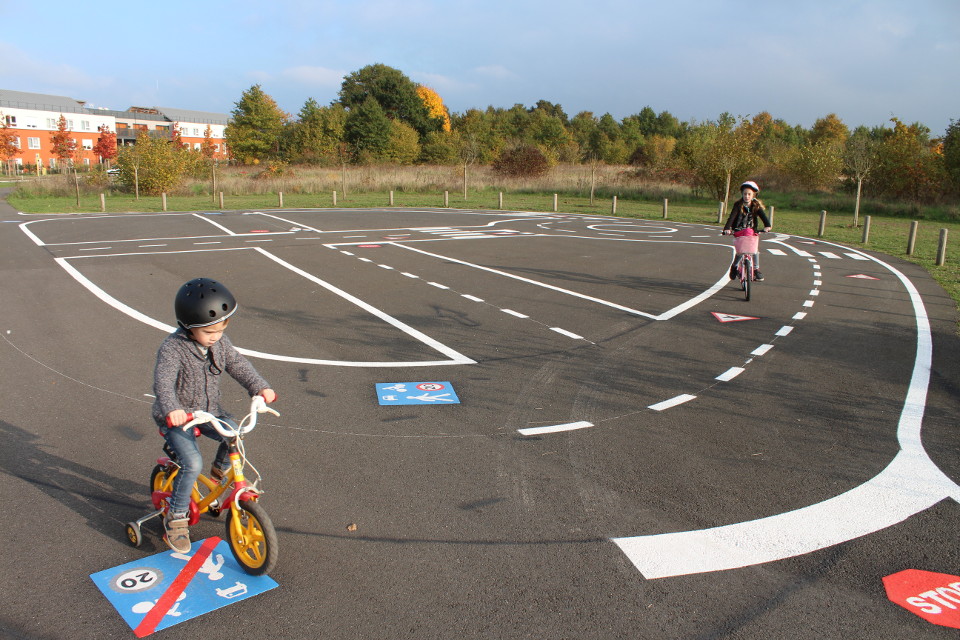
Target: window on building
(53, 163)
(51, 123)
(85, 125)
(10, 120)
(33, 143)
(16, 142)
(86, 161)
(88, 144)
(31, 123)
(196, 146)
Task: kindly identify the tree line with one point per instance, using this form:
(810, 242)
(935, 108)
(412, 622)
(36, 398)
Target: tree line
(381, 116)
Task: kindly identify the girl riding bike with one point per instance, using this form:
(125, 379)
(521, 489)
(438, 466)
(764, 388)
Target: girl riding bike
(186, 379)
(746, 214)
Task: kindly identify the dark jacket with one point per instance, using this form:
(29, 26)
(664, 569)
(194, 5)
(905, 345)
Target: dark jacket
(186, 379)
(742, 217)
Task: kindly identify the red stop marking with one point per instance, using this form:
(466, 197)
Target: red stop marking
(935, 597)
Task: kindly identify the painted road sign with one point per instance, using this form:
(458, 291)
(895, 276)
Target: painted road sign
(159, 591)
(416, 393)
(863, 276)
(729, 317)
(935, 597)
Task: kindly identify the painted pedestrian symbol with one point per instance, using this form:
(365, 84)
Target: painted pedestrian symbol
(167, 588)
(391, 393)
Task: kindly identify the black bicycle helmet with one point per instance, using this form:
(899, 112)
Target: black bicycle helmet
(203, 302)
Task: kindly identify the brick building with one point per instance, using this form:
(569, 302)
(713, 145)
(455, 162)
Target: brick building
(33, 118)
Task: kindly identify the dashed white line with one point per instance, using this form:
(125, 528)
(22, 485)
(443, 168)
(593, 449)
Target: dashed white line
(564, 332)
(762, 349)
(800, 315)
(856, 256)
(438, 285)
(95, 249)
(514, 313)
(672, 402)
(784, 331)
(808, 303)
(830, 255)
(570, 426)
(814, 292)
(776, 252)
(346, 253)
(469, 297)
(385, 266)
(730, 374)
(410, 275)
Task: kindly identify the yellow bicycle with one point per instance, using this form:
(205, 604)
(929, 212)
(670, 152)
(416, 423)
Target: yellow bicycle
(250, 533)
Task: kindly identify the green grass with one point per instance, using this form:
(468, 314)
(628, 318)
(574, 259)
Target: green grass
(888, 235)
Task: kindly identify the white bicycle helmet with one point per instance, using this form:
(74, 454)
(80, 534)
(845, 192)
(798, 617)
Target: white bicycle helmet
(750, 184)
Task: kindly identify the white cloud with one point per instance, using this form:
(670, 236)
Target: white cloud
(496, 71)
(314, 76)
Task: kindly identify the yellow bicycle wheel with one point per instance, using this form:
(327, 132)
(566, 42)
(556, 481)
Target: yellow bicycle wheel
(252, 538)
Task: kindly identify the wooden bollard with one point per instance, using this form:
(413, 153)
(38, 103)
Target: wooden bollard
(613, 209)
(720, 212)
(221, 199)
(771, 215)
(391, 197)
(500, 201)
(163, 198)
(823, 224)
(665, 202)
(103, 202)
(334, 198)
(446, 199)
(942, 248)
(866, 230)
(912, 237)
(280, 198)
(554, 203)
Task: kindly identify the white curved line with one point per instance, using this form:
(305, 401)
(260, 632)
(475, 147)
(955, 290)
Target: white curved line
(908, 485)
(455, 357)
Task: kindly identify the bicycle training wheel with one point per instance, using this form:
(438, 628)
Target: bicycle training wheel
(254, 541)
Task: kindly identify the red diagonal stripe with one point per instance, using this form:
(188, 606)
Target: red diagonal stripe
(150, 621)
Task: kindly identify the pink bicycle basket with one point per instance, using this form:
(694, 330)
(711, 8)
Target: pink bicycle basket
(746, 244)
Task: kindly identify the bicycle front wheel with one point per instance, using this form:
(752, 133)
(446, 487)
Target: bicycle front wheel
(252, 538)
(746, 285)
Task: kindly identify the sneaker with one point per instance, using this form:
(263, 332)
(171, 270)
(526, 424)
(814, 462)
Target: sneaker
(217, 474)
(733, 271)
(757, 275)
(177, 533)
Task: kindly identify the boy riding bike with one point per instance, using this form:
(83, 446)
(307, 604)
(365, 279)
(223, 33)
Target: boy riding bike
(189, 364)
(747, 213)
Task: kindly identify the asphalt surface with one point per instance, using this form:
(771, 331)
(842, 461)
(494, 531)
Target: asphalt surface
(622, 463)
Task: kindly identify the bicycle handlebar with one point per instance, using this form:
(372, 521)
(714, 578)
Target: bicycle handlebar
(247, 424)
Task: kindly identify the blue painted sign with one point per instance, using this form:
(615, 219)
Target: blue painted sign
(416, 393)
(161, 590)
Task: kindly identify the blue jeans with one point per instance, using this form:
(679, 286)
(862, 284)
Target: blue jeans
(184, 444)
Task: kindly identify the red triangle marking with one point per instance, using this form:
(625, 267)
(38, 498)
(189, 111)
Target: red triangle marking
(863, 276)
(729, 317)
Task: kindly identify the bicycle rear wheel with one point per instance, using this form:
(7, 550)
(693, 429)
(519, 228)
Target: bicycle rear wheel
(254, 540)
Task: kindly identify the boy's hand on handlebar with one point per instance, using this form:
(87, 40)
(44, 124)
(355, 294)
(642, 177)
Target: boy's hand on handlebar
(269, 395)
(177, 418)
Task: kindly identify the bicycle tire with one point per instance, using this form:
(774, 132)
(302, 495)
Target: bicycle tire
(158, 478)
(746, 285)
(254, 543)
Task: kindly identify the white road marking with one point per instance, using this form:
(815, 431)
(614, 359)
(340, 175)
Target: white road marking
(911, 483)
(808, 303)
(856, 256)
(410, 275)
(762, 349)
(814, 292)
(830, 255)
(564, 332)
(672, 402)
(800, 315)
(514, 313)
(385, 266)
(784, 331)
(469, 297)
(556, 428)
(216, 224)
(438, 285)
(777, 252)
(730, 374)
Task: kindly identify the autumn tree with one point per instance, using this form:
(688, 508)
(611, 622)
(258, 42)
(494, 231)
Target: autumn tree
(859, 156)
(907, 167)
(951, 154)
(152, 165)
(435, 107)
(8, 145)
(208, 148)
(106, 146)
(721, 152)
(253, 133)
(176, 138)
(829, 129)
(61, 142)
(403, 144)
(314, 136)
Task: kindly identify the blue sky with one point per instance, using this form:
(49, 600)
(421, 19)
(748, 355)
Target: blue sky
(865, 60)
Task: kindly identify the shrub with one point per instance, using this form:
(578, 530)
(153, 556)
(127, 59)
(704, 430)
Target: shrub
(525, 161)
